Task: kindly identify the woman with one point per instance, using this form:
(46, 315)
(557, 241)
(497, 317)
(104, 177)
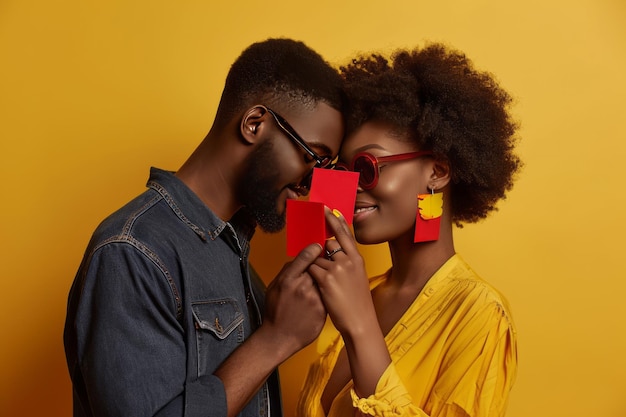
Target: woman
(432, 139)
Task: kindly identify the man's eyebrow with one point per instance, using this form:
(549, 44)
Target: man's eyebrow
(320, 146)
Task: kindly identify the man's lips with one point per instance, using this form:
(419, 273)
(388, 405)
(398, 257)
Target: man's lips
(292, 194)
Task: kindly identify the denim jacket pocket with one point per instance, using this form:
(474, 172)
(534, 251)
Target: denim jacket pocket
(219, 330)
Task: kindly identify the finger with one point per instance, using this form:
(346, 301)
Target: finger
(318, 271)
(331, 244)
(342, 232)
(337, 222)
(333, 249)
(305, 258)
(322, 263)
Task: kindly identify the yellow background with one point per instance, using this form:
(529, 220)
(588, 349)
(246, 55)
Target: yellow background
(92, 93)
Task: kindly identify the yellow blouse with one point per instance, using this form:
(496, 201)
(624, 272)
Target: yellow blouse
(453, 353)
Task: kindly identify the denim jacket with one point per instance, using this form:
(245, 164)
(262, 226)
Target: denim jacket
(163, 296)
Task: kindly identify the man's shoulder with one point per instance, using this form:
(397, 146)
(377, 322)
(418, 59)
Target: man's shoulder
(120, 223)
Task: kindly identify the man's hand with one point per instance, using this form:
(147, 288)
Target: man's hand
(294, 316)
(294, 310)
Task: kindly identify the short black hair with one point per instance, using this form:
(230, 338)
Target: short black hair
(279, 70)
(436, 98)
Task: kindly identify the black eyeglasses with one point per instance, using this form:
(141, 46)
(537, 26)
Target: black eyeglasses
(320, 161)
(368, 165)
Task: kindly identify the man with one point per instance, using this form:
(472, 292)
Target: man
(165, 317)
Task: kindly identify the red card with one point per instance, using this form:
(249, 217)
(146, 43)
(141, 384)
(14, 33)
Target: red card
(336, 190)
(305, 225)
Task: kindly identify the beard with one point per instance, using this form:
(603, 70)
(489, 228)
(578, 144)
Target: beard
(258, 191)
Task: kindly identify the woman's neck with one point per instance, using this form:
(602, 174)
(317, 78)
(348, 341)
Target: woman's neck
(414, 263)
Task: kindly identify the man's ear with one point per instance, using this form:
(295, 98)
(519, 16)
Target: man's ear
(252, 124)
(440, 175)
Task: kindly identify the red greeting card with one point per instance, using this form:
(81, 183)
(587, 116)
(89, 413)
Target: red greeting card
(306, 223)
(336, 189)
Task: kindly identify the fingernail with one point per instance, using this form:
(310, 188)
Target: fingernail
(337, 213)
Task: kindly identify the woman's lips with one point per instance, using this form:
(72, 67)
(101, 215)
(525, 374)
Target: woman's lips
(362, 212)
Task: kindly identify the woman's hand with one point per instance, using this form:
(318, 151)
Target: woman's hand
(345, 291)
(343, 282)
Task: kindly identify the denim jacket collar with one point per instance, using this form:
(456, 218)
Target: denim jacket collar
(196, 215)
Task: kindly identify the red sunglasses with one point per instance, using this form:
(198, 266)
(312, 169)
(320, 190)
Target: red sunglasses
(368, 165)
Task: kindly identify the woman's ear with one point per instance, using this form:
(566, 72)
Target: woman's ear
(251, 124)
(440, 175)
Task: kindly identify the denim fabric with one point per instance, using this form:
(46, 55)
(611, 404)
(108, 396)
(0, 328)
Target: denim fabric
(163, 295)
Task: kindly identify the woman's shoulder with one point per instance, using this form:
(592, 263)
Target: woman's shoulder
(461, 284)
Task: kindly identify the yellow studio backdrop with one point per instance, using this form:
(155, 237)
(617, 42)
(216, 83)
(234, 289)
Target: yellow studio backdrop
(94, 93)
